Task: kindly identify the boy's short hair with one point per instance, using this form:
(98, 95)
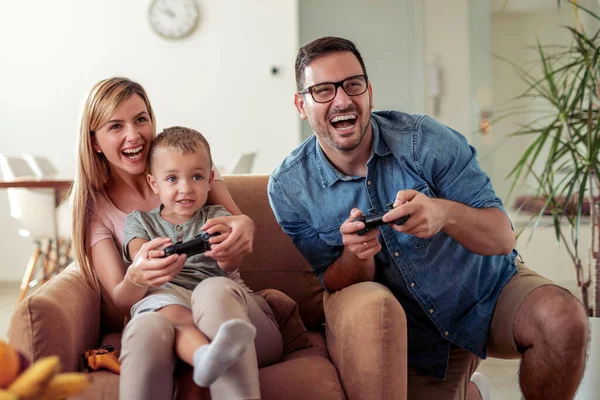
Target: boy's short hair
(184, 140)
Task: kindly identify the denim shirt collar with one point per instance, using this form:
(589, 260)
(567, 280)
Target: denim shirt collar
(329, 174)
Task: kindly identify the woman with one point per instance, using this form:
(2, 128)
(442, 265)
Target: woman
(116, 128)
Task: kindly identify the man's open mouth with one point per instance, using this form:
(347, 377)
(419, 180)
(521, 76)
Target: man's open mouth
(343, 122)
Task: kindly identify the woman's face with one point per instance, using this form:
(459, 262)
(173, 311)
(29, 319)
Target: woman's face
(125, 139)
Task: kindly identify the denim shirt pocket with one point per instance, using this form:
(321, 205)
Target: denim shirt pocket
(332, 236)
(421, 243)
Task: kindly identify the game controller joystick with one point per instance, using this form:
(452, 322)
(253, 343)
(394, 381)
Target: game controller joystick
(197, 245)
(372, 221)
(104, 357)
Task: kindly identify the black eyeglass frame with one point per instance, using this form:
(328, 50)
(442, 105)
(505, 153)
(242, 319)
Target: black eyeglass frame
(336, 85)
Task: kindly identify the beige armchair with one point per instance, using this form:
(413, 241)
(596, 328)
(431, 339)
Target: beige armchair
(358, 356)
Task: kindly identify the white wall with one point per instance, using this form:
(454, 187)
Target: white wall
(217, 81)
(389, 37)
(446, 45)
(513, 34)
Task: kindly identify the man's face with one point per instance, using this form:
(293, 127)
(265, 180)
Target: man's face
(340, 124)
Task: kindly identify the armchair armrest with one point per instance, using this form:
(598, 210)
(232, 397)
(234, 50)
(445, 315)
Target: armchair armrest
(61, 318)
(366, 337)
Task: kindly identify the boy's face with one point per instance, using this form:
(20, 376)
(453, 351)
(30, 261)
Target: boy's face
(182, 181)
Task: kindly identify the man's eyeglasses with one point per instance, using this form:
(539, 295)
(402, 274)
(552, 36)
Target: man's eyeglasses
(326, 91)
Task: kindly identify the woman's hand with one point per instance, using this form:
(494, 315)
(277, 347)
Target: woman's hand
(239, 240)
(150, 269)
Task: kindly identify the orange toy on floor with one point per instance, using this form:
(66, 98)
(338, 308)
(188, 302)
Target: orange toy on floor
(40, 380)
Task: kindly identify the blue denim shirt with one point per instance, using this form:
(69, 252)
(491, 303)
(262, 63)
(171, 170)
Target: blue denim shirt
(448, 292)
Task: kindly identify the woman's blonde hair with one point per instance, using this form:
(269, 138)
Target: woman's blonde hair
(93, 169)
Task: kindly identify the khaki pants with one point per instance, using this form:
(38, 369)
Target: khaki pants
(462, 363)
(501, 342)
(148, 358)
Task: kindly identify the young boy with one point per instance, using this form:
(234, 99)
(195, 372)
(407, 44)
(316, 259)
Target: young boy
(180, 173)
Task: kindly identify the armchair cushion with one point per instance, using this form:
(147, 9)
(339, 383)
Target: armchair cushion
(275, 262)
(62, 317)
(366, 332)
(286, 313)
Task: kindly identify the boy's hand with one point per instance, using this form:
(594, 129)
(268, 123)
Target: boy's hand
(223, 233)
(239, 240)
(160, 253)
(215, 251)
(148, 269)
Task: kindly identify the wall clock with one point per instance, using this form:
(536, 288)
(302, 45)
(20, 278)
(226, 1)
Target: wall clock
(173, 19)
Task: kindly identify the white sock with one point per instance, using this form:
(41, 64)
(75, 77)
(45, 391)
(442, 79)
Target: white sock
(230, 343)
(483, 385)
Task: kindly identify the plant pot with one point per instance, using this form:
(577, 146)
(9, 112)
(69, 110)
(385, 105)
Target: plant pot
(590, 386)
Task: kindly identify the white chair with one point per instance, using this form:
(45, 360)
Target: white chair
(36, 210)
(244, 163)
(42, 167)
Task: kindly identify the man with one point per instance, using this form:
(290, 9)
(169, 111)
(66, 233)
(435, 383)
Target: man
(451, 265)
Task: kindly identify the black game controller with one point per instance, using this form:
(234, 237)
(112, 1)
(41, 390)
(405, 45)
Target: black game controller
(372, 221)
(197, 245)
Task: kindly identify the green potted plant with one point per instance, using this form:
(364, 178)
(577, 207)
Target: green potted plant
(563, 159)
(566, 138)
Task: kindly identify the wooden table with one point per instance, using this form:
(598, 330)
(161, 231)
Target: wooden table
(51, 256)
(61, 186)
(36, 183)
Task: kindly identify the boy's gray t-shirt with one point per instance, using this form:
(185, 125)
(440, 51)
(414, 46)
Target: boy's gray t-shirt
(150, 225)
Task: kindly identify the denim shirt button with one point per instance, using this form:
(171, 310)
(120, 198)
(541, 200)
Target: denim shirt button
(446, 333)
(431, 311)
(369, 183)
(412, 284)
(396, 254)
(178, 228)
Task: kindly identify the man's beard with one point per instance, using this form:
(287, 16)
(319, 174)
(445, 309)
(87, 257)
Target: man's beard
(346, 148)
(330, 137)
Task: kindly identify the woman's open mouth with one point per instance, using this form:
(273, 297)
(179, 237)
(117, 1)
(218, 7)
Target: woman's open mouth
(134, 154)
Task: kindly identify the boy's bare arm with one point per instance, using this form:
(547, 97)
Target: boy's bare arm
(134, 246)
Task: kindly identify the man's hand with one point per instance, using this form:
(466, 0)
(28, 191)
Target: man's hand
(357, 261)
(427, 215)
(363, 247)
(485, 231)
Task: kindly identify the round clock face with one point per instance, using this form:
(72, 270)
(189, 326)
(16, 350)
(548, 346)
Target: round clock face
(173, 19)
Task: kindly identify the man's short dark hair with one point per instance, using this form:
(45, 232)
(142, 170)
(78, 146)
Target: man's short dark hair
(321, 47)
